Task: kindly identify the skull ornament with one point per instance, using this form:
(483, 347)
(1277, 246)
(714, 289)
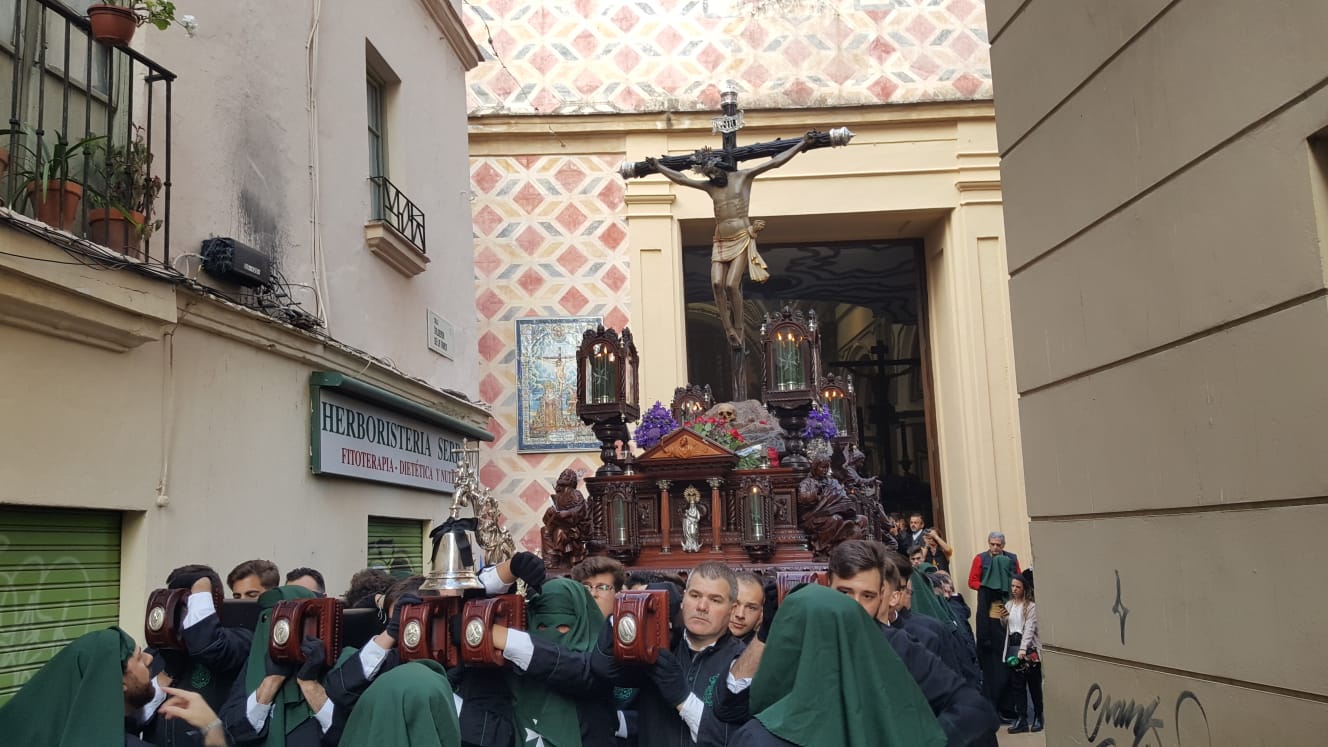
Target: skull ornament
(727, 412)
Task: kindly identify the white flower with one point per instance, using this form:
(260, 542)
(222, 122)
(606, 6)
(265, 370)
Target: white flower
(190, 25)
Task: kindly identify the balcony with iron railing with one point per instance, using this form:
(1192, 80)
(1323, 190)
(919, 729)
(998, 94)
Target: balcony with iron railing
(87, 146)
(395, 231)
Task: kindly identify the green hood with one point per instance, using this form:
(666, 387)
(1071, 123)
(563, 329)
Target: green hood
(289, 709)
(407, 706)
(828, 679)
(538, 708)
(77, 699)
(926, 602)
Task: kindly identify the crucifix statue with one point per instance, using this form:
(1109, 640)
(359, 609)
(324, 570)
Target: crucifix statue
(730, 189)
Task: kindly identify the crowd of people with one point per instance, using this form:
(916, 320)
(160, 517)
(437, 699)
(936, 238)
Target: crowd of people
(882, 651)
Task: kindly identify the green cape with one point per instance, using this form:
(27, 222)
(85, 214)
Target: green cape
(925, 601)
(289, 709)
(76, 699)
(828, 679)
(407, 706)
(998, 573)
(538, 708)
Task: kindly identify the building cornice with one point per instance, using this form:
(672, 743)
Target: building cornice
(454, 31)
(555, 126)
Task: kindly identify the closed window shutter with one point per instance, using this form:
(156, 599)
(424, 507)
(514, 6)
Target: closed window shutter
(396, 545)
(59, 579)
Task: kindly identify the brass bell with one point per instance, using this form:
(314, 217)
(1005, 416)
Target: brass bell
(450, 571)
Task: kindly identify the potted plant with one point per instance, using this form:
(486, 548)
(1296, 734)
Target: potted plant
(122, 218)
(47, 171)
(114, 23)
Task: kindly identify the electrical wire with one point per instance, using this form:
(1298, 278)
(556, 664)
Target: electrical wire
(319, 268)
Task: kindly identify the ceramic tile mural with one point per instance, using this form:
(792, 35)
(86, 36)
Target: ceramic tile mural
(546, 385)
(550, 243)
(605, 56)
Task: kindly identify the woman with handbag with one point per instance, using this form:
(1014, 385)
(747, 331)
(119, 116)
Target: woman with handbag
(1023, 654)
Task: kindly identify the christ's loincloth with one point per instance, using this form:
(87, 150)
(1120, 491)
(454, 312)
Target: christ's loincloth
(729, 248)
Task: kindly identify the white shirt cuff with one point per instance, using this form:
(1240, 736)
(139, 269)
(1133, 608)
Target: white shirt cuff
(691, 712)
(371, 659)
(738, 684)
(198, 608)
(622, 726)
(324, 716)
(493, 585)
(158, 697)
(519, 650)
(256, 712)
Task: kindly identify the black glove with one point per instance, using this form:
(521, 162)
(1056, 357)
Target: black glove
(529, 567)
(394, 625)
(768, 610)
(279, 670)
(187, 580)
(670, 679)
(314, 659)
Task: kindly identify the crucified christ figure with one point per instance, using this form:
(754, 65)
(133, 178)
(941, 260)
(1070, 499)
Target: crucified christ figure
(735, 233)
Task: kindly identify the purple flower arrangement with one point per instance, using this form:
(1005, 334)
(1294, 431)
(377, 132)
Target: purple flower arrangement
(820, 424)
(657, 423)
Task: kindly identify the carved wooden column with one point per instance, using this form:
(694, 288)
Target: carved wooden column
(716, 517)
(663, 516)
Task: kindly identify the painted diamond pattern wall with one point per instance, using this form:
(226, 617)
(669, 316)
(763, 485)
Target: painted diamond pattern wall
(606, 56)
(550, 241)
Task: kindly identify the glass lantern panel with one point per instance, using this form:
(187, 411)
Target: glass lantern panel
(619, 516)
(756, 516)
(603, 383)
(789, 371)
(839, 411)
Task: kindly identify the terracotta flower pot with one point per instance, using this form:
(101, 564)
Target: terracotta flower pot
(112, 24)
(109, 228)
(56, 207)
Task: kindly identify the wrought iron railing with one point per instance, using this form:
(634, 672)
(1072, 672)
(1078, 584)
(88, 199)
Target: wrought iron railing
(89, 131)
(393, 208)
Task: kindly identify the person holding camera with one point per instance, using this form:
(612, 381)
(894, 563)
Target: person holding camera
(1022, 653)
(936, 550)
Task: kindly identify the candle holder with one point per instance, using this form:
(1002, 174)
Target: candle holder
(691, 401)
(838, 397)
(606, 393)
(792, 374)
(757, 517)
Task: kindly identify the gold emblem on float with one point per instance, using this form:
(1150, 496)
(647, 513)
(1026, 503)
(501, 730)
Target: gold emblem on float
(627, 630)
(281, 632)
(412, 634)
(156, 618)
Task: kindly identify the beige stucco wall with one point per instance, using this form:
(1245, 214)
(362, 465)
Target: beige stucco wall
(922, 171)
(246, 164)
(1168, 305)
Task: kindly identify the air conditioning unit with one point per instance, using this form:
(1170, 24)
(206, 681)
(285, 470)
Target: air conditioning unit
(231, 261)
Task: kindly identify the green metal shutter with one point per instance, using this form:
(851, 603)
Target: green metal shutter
(59, 579)
(396, 545)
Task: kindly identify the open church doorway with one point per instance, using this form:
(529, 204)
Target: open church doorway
(870, 302)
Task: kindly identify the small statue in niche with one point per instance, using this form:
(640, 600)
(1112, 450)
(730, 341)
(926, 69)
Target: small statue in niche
(865, 491)
(691, 521)
(566, 523)
(826, 512)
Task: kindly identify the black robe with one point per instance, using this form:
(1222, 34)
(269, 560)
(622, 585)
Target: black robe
(215, 656)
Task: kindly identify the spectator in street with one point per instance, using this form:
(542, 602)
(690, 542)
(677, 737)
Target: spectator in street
(1022, 645)
(990, 577)
(917, 526)
(937, 551)
(916, 556)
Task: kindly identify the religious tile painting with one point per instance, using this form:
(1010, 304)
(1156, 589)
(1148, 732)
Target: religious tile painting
(546, 384)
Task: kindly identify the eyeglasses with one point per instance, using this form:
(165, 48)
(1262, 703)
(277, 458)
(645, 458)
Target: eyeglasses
(598, 587)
